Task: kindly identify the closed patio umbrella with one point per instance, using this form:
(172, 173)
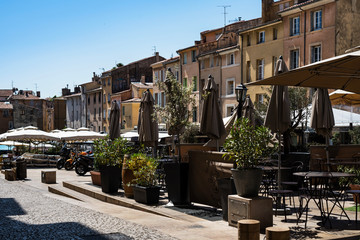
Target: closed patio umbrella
(114, 127)
(322, 117)
(277, 117)
(211, 120)
(147, 125)
(248, 110)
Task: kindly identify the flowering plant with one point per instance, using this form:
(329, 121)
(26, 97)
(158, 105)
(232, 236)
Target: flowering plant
(144, 169)
(246, 145)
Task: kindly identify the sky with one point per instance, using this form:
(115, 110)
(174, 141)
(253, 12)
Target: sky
(46, 45)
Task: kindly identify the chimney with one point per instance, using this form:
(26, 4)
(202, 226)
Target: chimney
(65, 91)
(142, 80)
(157, 58)
(266, 10)
(77, 89)
(38, 93)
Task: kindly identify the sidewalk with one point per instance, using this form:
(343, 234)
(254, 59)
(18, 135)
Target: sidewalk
(180, 223)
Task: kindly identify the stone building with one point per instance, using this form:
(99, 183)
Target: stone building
(132, 72)
(75, 108)
(6, 117)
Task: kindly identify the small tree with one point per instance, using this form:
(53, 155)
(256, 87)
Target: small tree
(179, 100)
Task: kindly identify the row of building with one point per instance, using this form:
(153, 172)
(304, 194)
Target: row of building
(302, 31)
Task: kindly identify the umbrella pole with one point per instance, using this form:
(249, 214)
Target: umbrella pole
(327, 153)
(279, 163)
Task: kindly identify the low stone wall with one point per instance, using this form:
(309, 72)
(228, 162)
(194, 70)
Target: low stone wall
(205, 167)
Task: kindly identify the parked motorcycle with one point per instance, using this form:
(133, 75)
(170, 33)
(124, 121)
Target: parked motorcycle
(64, 155)
(84, 164)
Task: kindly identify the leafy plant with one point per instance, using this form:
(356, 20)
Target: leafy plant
(355, 135)
(110, 153)
(144, 169)
(352, 170)
(179, 99)
(246, 144)
(189, 134)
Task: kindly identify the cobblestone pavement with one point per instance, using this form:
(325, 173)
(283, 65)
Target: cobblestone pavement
(27, 214)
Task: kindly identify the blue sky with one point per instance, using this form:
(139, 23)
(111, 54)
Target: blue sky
(47, 44)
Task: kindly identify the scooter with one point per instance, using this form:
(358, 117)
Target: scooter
(64, 155)
(84, 164)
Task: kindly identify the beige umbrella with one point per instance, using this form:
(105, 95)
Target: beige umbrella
(322, 117)
(81, 135)
(30, 133)
(114, 128)
(211, 121)
(340, 72)
(278, 113)
(147, 125)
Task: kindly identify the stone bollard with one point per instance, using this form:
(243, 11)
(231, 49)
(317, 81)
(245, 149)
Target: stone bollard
(48, 176)
(277, 233)
(248, 229)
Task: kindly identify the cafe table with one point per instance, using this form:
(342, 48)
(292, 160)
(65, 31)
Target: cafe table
(319, 188)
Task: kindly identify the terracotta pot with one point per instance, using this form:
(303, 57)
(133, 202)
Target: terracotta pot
(355, 187)
(127, 177)
(95, 178)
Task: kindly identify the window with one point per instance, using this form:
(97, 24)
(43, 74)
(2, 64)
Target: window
(108, 116)
(156, 73)
(109, 97)
(261, 37)
(248, 72)
(162, 74)
(99, 98)
(185, 58)
(162, 94)
(315, 53)
(99, 113)
(260, 98)
(104, 82)
(287, 4)
(193, 55)
(94, 113)
(217, 61)
(294, 59)
(248, 40)
(281, 7)
(202, 64)
(194, 114)
(294, 26)
(260, 69)
(109, 82)
(6, 113)
(229, 110)
(104, 114)
(104, 98)
(156, 99)
(89, 100)
(275, 32)
(185, 82)
(231, 59)
(230, 86)
(194, 82)
(211, 61)
(77, 115)
(316, 20)
(123, 110)
(95, 98)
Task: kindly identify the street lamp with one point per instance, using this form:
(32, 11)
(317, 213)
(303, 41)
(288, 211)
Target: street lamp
(240, 91)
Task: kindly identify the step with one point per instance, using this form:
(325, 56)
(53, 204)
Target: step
(118, 199)
(66, 192)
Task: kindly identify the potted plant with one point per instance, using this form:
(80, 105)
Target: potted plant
(145, 185)
(108, 155)
(354, 182)
(246, 146)
(175, 113)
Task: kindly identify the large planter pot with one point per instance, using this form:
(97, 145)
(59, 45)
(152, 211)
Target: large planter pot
(177, 183)
(226, 187)
(147, 195)
(355, 187)
(110, 178)
(95, 178)
(247, 182)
